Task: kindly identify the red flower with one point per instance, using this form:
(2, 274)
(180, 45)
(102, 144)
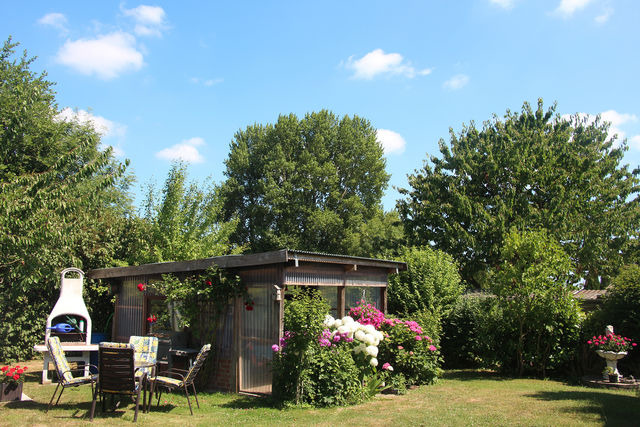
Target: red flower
(20, 371)
(16, 377)
(9, 373)
(4, 368)
(634, 344)
(25, 368)
(248, 307)
(208, 282)
(141, 287)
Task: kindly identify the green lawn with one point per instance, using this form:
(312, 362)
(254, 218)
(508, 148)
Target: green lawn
(460, 398)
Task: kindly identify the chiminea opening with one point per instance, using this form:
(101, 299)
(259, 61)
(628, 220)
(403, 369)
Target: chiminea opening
(69, 320)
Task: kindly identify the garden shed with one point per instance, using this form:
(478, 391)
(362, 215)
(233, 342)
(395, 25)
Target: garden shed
(243, 349)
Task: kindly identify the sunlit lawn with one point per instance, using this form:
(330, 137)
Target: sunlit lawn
(460, 398)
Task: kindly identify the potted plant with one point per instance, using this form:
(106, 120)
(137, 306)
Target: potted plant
(12, 379)
(611, 373)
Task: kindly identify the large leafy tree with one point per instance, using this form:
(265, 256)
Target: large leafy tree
(61, 201)
(305, 183)
(531, 169)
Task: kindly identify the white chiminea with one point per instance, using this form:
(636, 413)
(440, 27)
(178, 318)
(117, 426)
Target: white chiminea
(70, 303)
(70, 308)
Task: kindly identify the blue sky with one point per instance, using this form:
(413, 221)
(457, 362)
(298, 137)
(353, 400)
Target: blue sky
(179, 79)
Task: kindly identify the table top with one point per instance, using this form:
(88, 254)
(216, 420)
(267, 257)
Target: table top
(183, 351)
(144, 364)
(72, 346)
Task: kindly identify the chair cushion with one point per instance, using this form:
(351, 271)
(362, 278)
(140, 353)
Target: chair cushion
(82, 380)
(59, 360)
(173, 382)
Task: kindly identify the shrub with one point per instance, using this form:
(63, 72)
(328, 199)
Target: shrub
(467, 335)
(431, 282)
(408, 346)
(303, 323)
(541, 319)
(332, 377)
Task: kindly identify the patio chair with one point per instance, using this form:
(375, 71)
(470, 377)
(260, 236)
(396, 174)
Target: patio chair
(145, 349)
(117, 374)
(65, 372)
(180, 378)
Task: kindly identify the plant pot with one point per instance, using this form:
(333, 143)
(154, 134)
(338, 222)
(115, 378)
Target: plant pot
(11, 391)
(613, 378)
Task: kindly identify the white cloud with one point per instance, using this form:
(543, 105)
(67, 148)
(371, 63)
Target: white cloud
(150, 20)
(377, 63)
(567, 8)
(604, 17)
(505, 4)
(615, 119)
(185, 151)
(634, 142)
(107, 129)
(106, 56)
(55, 20)
(456, 82)
(392, 142)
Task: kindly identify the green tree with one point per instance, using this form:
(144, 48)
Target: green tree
(304, 184)
(540, 316)
(431, 282)
(59, 196)
(531, 169)
(183, 221)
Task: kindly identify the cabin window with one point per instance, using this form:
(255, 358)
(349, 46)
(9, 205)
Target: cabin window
(370, 295)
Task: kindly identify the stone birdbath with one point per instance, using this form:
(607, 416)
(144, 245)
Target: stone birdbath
(611, 357)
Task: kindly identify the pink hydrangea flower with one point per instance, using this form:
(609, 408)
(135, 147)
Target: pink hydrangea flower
(432, 348)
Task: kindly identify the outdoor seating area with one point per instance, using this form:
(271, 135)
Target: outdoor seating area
(124, 370)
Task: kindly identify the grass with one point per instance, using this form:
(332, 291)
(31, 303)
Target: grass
(459, 398)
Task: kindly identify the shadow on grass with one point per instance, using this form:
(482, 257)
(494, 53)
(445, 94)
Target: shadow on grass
(249, 402)
(473, 375)
(614, 409)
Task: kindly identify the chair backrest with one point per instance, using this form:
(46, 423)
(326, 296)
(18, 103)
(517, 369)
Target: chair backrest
(195, 368)
(116, 371)
(59, 359)
(145, 350)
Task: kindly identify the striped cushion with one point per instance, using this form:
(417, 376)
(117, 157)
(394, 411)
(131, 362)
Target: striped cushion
(173, 382)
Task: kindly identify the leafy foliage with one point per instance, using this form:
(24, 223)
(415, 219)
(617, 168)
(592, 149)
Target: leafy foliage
(540, 322)
(431, 282)
(531, 169)
(304, 183)
(303, 322)
(184, 221)
(61, 200)
(467, 333)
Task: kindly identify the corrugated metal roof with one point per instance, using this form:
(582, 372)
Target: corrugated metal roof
(239, 261)
(589, 294)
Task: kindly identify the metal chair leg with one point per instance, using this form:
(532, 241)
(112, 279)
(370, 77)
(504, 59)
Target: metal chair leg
(59, 396)
(54, 395)
(186, 391)
(193, 386)
(135, 417)
(93, 404)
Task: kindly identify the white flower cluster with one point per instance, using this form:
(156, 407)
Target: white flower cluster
(367, 336)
